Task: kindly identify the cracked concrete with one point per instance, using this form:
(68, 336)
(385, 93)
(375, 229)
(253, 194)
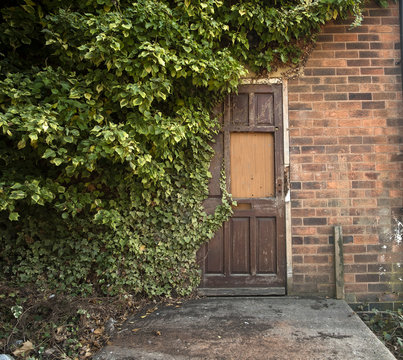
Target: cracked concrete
(247, 328)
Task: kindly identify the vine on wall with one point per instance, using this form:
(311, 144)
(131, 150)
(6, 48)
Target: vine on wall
(105, 130)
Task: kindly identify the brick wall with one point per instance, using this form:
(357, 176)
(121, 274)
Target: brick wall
(346, 119)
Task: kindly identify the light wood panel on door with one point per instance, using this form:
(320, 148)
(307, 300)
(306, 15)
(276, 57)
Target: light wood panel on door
(252, 165)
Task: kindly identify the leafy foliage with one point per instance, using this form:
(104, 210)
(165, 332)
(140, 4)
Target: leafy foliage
(105, 130)
(388, 326)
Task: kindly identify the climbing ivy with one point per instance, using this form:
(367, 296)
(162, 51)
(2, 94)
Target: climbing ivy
(105, 130)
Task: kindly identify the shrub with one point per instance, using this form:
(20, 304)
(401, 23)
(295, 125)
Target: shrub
(104, 114)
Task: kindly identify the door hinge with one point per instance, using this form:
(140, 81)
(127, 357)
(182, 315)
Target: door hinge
(279, 186)
(283, 183)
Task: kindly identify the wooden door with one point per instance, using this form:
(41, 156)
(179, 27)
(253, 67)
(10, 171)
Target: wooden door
(247, 255)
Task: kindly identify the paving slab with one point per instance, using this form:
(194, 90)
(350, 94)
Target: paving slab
(247, 328)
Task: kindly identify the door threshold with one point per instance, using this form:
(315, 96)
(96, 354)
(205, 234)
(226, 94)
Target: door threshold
(257, 291)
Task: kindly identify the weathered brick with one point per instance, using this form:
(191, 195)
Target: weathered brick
(347, 54)
(345, 37)
(323, 72)
(356, 288)
(297, 240)
(392, 71)
(314, 221)
(355, 268)
(316, 259)
(300, 106)
(380, 12)
(347, 71)
(350, 140)
(368, 37)
(360, 96)
(382, 62)
(304, 250)
(311, 97)
(324, 88)
(312, 149)
(359, 79)
(350, 169)
(357, 45)
(381, 45)
(354, 249)
(319, 278)
(314, 240)
(333, 46)
(368, 54)
(335, 96)
(366, 258)
(361, 62)
(372, 71)
(367, 278)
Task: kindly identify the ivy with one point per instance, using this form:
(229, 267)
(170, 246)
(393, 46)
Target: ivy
(105, 130)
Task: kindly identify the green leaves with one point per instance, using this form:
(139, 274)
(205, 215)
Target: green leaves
(49, 153)
(13, 216)
(105, 122)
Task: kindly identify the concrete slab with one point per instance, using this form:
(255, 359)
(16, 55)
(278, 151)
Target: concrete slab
(248, 328)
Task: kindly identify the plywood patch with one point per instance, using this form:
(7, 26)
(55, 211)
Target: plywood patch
(252, 165)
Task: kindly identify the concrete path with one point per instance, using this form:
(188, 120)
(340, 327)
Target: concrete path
(247, 328)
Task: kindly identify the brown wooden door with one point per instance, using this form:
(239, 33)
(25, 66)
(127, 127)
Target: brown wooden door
(247, 255)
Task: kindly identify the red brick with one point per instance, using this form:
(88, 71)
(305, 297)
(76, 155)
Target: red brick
(348, 88)
(311, 97)
(380, 29)
(348, 54)
(356, 288)
(322, 55)
(345, 37)
(350, 171)
(347, 71)
(304, 269)
(337, 63)
(304, 249)
(372, 71)
(316, 259)
(332, 46)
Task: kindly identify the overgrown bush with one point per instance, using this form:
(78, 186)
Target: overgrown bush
(105, 126)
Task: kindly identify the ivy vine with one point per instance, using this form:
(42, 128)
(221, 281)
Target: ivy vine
(105, 130)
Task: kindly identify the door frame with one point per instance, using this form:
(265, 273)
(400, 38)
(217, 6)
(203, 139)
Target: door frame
(286, 195)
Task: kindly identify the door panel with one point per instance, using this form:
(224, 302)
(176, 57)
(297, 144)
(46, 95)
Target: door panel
(240, 243)
(252, 164)
(266, 245)
(249, 251)
(240, 109)
(215, 260)
(264, 109)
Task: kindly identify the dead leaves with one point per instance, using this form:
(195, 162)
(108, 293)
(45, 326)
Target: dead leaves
(24, 349)
(149, 311)
(98, 331)
(79, 327)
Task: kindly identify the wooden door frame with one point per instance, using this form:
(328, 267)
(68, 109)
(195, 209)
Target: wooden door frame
(287, 257)
(287, 195)
(287, 169)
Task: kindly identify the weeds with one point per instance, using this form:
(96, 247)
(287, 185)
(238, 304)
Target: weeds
(388, 326)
